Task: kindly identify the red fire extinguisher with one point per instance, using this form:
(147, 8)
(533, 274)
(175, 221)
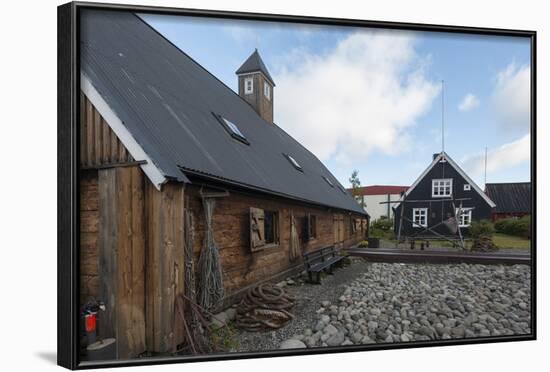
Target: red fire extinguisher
(89, 313)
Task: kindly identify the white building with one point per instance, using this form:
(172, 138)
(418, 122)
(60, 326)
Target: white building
(371, 196)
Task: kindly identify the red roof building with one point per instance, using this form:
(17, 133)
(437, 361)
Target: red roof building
(379, 190)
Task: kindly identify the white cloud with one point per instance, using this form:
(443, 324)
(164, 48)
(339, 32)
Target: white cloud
(361, 96)
(469, 102)
(505, 156)
(511, 97)
(242, 34)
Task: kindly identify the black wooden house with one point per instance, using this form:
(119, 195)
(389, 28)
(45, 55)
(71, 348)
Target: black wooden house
(442, 201)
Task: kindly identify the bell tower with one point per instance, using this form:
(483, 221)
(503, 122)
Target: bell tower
(256, 86)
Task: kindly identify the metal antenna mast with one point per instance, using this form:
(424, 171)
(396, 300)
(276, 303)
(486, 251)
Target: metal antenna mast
(485, 177)
(442, 115)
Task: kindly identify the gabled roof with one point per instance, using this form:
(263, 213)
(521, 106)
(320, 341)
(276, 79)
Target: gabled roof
(510, 197)
(379, 190)
(166, 101)
(444, 156)
(254, 63)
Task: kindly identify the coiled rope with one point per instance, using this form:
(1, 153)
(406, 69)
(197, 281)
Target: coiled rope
(264, 307)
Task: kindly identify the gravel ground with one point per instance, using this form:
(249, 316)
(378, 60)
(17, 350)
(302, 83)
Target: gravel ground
(308, 301)
(391, 302)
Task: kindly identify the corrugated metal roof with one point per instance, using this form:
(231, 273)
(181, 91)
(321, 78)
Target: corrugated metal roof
(380, 190)
(510, 197)
(255, 63)
(167, 100)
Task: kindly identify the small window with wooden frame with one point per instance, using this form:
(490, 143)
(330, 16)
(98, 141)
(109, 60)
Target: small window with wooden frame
(310, 227)
(264, 229)
(355, 225)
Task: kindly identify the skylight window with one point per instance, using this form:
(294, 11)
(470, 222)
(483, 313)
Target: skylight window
(342, 189)
(294, 163)
(328, 181)
(232, 129)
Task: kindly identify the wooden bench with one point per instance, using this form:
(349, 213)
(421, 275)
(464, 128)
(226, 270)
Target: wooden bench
(323, 259)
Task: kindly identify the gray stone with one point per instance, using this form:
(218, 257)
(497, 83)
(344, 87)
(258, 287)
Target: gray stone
(335, 339)
(309, 341)
(292, 344)
(219, 320)
(231, 313)
(356, 337)
(330, 330)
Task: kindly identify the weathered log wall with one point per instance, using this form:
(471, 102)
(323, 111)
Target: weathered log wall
(89, 226)
(241, 267)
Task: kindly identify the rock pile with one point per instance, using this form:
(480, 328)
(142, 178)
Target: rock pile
(411, 302)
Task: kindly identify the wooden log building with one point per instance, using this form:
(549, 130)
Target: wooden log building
(158, 134)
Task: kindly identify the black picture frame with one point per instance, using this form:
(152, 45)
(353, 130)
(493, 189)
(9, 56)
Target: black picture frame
(68, 186)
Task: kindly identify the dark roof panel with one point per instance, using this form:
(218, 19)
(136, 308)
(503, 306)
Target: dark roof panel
(510, 197)
(166, 100)
(254, 63)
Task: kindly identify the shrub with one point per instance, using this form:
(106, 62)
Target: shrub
(381, 234)
(514, 226)
(383, 223)
(481, 228)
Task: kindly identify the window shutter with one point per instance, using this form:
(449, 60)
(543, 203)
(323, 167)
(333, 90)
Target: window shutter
(257, 229)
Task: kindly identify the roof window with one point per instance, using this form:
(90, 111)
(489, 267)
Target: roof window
(294, 163)
(232, 129)
(328, 181)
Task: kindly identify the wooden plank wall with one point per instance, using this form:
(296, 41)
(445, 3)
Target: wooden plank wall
(89, 227)
(165, 263)
(241, 267)
(122, 258)
(99, 145)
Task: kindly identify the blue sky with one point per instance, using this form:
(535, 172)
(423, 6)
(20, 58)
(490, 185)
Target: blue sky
(371, 99)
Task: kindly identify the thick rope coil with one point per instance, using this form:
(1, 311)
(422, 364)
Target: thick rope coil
(264, 307)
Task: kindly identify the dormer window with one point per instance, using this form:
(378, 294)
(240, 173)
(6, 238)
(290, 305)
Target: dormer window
(294, 163)
(442, 187)
(267, 91)
(248, 85)
(232, 129)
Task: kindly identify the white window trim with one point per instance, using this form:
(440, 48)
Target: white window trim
(451, 162)
(467, 187)
(465, 211)
(423, 211)
(246, 90)
(438, 180)
(267, 91)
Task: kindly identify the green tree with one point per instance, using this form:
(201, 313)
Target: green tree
(355, 185)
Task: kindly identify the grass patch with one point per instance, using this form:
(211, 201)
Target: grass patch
(223, 338)
(504, 241)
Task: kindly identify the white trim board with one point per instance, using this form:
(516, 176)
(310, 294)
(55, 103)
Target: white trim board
(444, 156)
(134, 148)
